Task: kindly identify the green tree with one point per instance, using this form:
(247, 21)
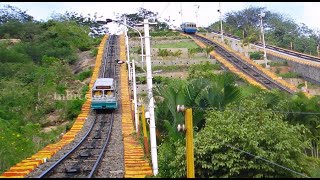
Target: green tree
(10, 13)
(254, 130)
(137, 18)
(96, 29)
(208, 49)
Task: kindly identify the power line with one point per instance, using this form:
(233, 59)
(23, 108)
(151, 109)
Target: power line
(165, 8)
(286, 168)
(285, 112)
(244, 110)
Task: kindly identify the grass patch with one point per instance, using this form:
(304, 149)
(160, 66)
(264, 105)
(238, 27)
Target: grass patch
(169, 68)
(94, 52)
(85, 74)
(289, 75)
(182, 44)
(284, 63)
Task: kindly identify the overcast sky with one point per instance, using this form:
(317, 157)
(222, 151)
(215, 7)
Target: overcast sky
(300, 12)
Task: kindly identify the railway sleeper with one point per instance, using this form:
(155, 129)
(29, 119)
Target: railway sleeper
(90, 146)
(266, 82)
(85, 154)
(97, 136)
(73, 169)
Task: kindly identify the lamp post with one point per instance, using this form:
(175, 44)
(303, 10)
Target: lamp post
(151, 99)
(197, 10)
(129, 65)
(150, 94)
(128, 53)
(141, 38)
(219, 10)
(261, 15)
(136, 115)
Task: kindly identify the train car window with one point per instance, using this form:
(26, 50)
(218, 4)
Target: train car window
(103, 87)
(108, 93)
(97, 93)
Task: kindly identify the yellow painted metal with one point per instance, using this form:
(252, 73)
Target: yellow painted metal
(24, 167)
(136, 166)
(189, 142)
(143, 119)
(265, 71)
(12, 176)
(144, 128)
(230, 66)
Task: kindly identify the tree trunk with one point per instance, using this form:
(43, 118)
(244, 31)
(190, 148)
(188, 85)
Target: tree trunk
(312, 149)
(317, 150)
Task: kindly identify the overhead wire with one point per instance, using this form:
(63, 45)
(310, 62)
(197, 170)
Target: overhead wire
(165, 8)
(284, 112)
(266, 160)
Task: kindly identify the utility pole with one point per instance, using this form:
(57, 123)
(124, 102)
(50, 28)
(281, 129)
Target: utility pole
(136, 115)
(197, 10)
(151, 100)
(219, 10)
(181, 12)
(264, 43)
(127, 44)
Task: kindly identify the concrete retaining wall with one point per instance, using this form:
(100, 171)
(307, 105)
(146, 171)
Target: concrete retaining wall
(177, 62)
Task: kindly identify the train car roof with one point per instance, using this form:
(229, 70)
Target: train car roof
(103, 81)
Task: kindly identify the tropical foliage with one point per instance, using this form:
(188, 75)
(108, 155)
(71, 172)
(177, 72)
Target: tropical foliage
(34, 73)
(234, 127)
(279, 30)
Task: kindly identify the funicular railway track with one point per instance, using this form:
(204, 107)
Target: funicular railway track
(275, 48)
(245, 67)
(83, 160)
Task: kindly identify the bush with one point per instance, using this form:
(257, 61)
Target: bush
(136, 50)
(159, 79)
(164, 33)
(85, 74)
(142, 80)
(84, 90)
(97, 41)
(163, 53)
(61, 89)
(84, 47)
(169, 68)
(255, 55)
(176, 53)
(166, 52)
(284, 63)
(47, 61)
(139, 69)
(74, 108)
(202, 30)
(289, 75)
(94, 52)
